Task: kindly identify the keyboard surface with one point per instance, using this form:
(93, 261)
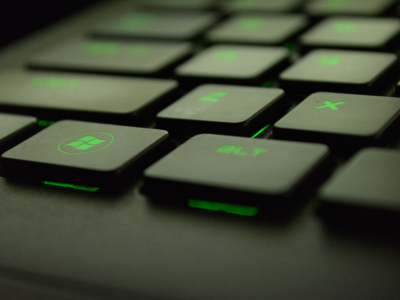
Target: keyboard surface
(243, 199)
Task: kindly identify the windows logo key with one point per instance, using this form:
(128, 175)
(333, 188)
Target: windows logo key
(86, 142)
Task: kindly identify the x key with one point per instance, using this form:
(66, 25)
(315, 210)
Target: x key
(331, 105)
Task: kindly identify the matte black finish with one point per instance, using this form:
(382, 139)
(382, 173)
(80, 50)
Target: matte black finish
(82, 153)
(54, 96)
(232, 169)
(251, 65)
(353, 33)
(341, 71)
(134, 58)
(222, 109)
(340, 120)
(258, 29)
(282, 6)
(156, 25)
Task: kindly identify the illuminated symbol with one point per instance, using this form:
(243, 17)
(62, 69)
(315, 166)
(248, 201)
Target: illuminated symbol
(345, 27)
(86, 142)
(330, 60)
(101, 48)
(137, 21)
(137, 50)
(330, 105)
(251, 23)
(248, 211)
(227, 55)
(213, 96)
(231, 149)
(54, 82)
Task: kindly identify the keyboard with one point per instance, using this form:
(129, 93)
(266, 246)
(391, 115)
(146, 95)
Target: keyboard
(171, 149)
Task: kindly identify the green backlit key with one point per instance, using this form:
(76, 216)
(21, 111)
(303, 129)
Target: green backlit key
(83, 153)
(258, 30)
(380, 34)
(156, 25)
(233, 169)
(249, 65)
(342, 121)
(111, 99)
(222, 109)
(274, 6)
(135, 58)
(341, 71)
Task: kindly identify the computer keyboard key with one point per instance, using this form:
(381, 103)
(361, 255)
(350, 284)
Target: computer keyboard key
(107, 99)
(341, 71)
(258, 29)
(83, 153)
(156, 25)
(97, 56)
(222, 109)
(323, 8)
(234, 169)
(365, 191)
(178, 4)
(343, 121)
(281, 6)
(248, 65)
(379, 34)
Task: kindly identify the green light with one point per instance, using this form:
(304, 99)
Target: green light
(259, 132)
(101, 48)
(213, 96)
(337, 4)
(345, 27)
(251, 23)
(331, 105)
(248, 211)
(330, 60)
(137, 50)
(54, 82)
(227, 55)
(86, 142)
(45, 123)
(236, 150)
(137, 21)
(72, 186)
(267, 84)
(76, 144)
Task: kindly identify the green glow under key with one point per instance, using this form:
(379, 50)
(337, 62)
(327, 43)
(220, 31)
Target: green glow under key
(248, 211)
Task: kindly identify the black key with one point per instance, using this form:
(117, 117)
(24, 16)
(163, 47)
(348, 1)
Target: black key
(178, 4)
(14, 129)
(135, 58)
(366, 190)
(156, 25)
(249, 65)
(353, 33)
(227, 169)
(340, 120)
(258, 30)
(82, 153)
(55, 96)
(341, 71)
(322, 8)
(221, 109)
(282, 6)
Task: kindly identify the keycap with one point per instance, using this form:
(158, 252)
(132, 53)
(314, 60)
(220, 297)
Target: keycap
(282, 6)
(379, 34)
(133, 58)
(14, 129)
(249, 65)
(341, 71)
(366, 190)
(257, 29)
(83, 153)
(343, 121)
(156, 25)
(322, 8)
(178, 4)
(234, 169)
(108, 99)
(221, 109)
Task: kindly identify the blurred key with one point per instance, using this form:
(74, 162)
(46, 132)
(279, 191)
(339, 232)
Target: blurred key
(178, 4)
(156, 25)
(257, 29)
(55, 96)
(135, 58)
(82, 153)
(249, 65)
(282, 6)
(353, 33)
(232, 169)
(341, 71)
(222, 109)
(342, 121)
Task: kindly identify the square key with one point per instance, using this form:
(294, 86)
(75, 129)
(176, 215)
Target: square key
(232, 169)
(221, 109)
(340, 120)
(368, 186)
(250, 65)
(113, 57)
(341, 71)
(156, 25)
(74, 152)
(275, 6)
(257, 29)
(353, 33)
